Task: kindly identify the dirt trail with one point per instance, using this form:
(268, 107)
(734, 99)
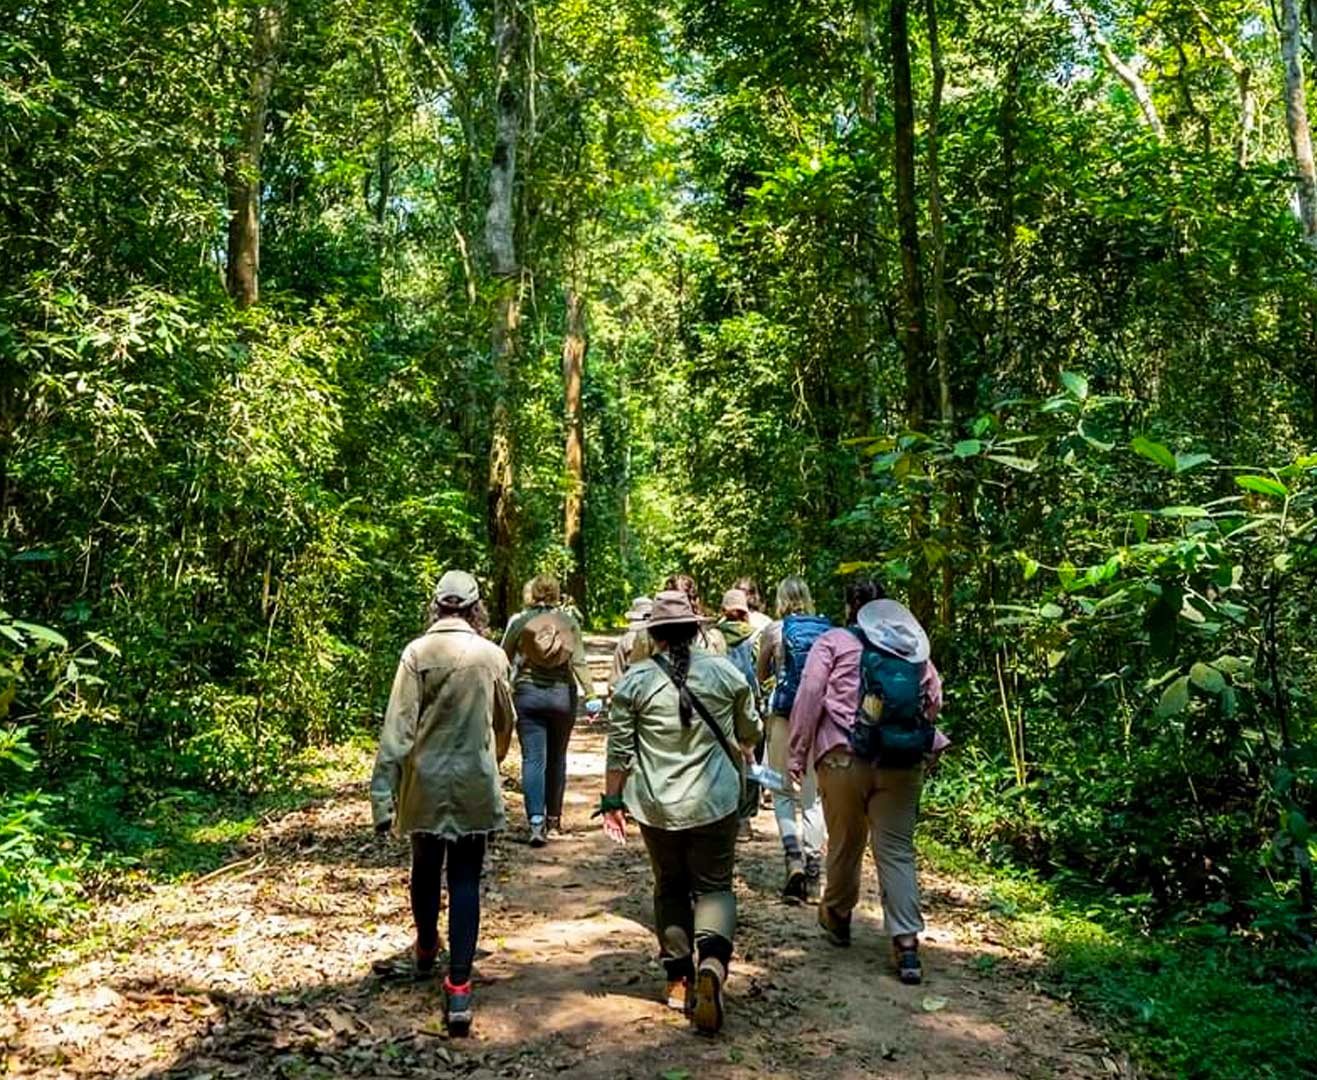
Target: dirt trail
(266, 971)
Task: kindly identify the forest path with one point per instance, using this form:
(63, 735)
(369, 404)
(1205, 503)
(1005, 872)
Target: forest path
(266, 970)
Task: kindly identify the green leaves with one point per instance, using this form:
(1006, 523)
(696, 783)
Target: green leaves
(1263, 485)
(1153, 451)
(1175, 698)
(1172, 462)
(1076, 384)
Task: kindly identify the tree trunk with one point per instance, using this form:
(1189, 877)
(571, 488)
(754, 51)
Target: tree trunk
(500, 242)
(942, 345)
(574, 349)
(913, 332)
(1248, 102)
(1123, 71)
(242, 164)
(1296, 117)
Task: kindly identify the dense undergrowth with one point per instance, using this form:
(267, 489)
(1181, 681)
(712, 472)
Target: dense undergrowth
(1188, 1000)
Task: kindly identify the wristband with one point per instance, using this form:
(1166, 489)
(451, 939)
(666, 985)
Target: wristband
(609, 803)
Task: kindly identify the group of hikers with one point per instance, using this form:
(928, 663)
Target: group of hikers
(837, 722)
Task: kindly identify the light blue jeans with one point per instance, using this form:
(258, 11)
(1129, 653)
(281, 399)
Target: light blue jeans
(799, 823)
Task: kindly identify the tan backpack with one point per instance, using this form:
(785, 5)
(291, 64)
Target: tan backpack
(547, 641)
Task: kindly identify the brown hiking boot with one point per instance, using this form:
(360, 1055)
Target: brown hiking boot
(708, 1011)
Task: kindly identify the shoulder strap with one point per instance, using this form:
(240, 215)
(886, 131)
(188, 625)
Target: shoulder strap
(698, 706)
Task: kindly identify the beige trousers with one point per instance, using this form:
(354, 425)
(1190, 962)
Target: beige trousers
(875, 807)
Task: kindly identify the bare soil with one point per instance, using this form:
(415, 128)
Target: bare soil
(266, 971)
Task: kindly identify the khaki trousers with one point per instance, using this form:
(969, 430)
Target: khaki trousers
(878, 807)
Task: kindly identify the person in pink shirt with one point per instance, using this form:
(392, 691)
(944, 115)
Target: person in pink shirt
(864, 804)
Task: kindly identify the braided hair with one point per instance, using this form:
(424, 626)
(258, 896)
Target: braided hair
(677, 637)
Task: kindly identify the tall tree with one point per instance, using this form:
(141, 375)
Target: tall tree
(575, 344)
(1125, 72)
(1296, 117)
(501, 246)
(242, 161)
(913, 329)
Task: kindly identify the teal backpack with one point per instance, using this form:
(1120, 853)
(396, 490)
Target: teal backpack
(890, 728)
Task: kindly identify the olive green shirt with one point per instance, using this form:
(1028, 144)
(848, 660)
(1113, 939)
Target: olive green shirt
(680, 777)
(448, 725)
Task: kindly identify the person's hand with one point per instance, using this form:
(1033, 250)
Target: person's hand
(796, 777)
(748, 752)
(615, 826)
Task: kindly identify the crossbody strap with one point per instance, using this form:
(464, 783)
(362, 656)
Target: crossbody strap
(698, 706)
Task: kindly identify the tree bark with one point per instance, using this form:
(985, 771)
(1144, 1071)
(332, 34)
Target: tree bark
(1248, 103)
(242, 164)
(500, 243)
(1123, 71)
(913, 331)
(575, 345)
(1296, 117)
(946, 518)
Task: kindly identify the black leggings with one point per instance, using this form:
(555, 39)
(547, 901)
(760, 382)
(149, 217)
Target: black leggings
(465, 858)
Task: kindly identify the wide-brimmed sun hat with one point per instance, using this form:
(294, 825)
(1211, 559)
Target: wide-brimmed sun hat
(736, 602)
(892, 627)
(672, 609)
(640, 610)
(456, 588)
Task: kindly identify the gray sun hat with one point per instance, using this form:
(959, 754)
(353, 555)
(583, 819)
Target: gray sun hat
(638, 614)
(671, 609)
(890, 626)
(456, 588)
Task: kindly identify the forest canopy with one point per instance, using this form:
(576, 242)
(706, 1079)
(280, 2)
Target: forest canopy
(1012, 304)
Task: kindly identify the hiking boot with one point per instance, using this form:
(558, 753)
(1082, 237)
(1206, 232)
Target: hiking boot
(680, 996)
(908, 968)
(794, 889)
(744, 831)
(813, 878)
(553, 824)
(539, 833)
(708, 1010)
(423, 959)
(836, 928)
(457, 1008)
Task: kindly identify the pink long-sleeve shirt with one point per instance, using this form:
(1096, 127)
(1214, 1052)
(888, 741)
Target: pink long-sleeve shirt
(829, 695)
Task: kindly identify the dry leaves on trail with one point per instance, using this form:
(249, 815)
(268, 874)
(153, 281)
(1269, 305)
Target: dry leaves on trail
(266, 970)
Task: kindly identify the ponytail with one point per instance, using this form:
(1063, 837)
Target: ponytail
(678, 637)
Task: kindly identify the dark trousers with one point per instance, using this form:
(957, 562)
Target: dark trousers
(694, 906)
(464, 857)
(545, 718)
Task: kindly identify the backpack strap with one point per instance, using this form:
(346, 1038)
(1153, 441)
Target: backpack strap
(695, 703)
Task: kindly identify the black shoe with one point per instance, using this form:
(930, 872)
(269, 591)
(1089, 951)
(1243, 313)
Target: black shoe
(813, 878)
(836, 928)
(457, 1008)
(539, 834)
(553, 824)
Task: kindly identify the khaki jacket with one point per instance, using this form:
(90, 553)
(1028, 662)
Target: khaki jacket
(448, 724)
(631, 648)
(680, 777)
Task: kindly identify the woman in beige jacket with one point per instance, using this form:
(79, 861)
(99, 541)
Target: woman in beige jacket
(448, 725)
